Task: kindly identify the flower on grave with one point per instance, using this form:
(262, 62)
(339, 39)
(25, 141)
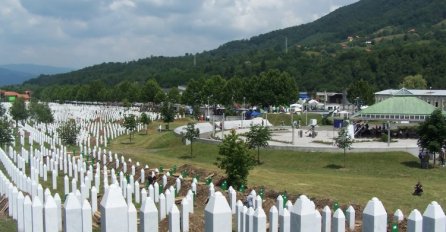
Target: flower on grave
(242, 188)
(335, 206)
(161, 188)
(395, 227)
(208, 181)
(224, 185)
(285, 199)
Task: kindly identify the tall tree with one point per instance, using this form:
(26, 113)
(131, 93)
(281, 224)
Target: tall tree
(160, 97)
(18, 110)
(145, 120)
(273, 88)
(174, 95)
(414, 82)
(361, 90)
(167, 113)
(191, 134)
(68, 132)
(130, 125)
(2, 110)
(194, 92)
(5, 133)
(235, 158)
(41, 112)
(344, 141)
(432, 132)
(258, 137)
(150, 90)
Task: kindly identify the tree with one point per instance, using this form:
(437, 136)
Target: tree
(150, 89)
(41, 112)
(432, 132)
(130, 124)
(361, 90)
(167, 113)
(344, 141)
(257, 137)
(145, 120)
(18, 110)
(160, 97)
(235, 158)
(68, 132)
(174, 95)
(5, 133)
(2, 110)
(191, 134)
(414, 82)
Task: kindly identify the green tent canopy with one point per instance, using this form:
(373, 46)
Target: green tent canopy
(398, 108)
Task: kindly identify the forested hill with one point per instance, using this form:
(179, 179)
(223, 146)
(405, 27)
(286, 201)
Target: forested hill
(380, 41)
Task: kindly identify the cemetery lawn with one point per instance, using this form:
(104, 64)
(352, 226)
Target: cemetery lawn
(389, 176)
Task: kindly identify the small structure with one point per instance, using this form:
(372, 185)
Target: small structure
(11, 96)
(434, 97)
(397, 108)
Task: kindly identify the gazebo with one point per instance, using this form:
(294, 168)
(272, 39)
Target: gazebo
(397, 108)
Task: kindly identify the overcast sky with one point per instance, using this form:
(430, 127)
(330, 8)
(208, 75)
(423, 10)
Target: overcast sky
(79, 33)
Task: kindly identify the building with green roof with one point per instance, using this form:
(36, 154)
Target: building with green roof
(397, 108)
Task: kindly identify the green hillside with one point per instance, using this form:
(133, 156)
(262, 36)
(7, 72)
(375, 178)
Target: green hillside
(389, 40)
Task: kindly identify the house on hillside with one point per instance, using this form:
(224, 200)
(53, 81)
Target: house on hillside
(11, 96)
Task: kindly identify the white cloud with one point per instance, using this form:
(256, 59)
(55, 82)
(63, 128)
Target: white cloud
(77, 33)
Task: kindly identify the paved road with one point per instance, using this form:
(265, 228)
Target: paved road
(323, 142)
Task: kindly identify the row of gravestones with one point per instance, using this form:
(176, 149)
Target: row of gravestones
(302, 215)
(165, 200)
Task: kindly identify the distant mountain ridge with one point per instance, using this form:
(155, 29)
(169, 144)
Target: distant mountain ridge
(11, 74)
(398, 27)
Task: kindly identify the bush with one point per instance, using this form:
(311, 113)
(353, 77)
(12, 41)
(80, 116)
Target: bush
(384, 138)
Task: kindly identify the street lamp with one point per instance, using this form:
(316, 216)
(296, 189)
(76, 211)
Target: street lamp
(243, 111)
(208, 109)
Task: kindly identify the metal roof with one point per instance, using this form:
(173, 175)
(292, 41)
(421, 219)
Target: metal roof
(414, 92)
(398, 108)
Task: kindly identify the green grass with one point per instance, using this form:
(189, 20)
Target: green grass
(388, 176)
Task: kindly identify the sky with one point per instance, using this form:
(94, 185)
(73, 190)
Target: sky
(80, 33)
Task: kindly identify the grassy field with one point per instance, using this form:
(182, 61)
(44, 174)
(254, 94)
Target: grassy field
(388, 176)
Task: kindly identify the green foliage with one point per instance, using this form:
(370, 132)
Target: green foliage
(362, 90)
(126, 103)
(174, 95)
(151, 89)
(18, 110)
(40, 112)
(68, 132)
(344, 141)
(167, 112)
(235, 159)
(160, 97)
(414, 82)
(191, 134)
(432, 132)
(2, 110)
(384, 138)
(315, 60)
(130, 125)
(257, 137)
(144, 119)
(5, 133)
